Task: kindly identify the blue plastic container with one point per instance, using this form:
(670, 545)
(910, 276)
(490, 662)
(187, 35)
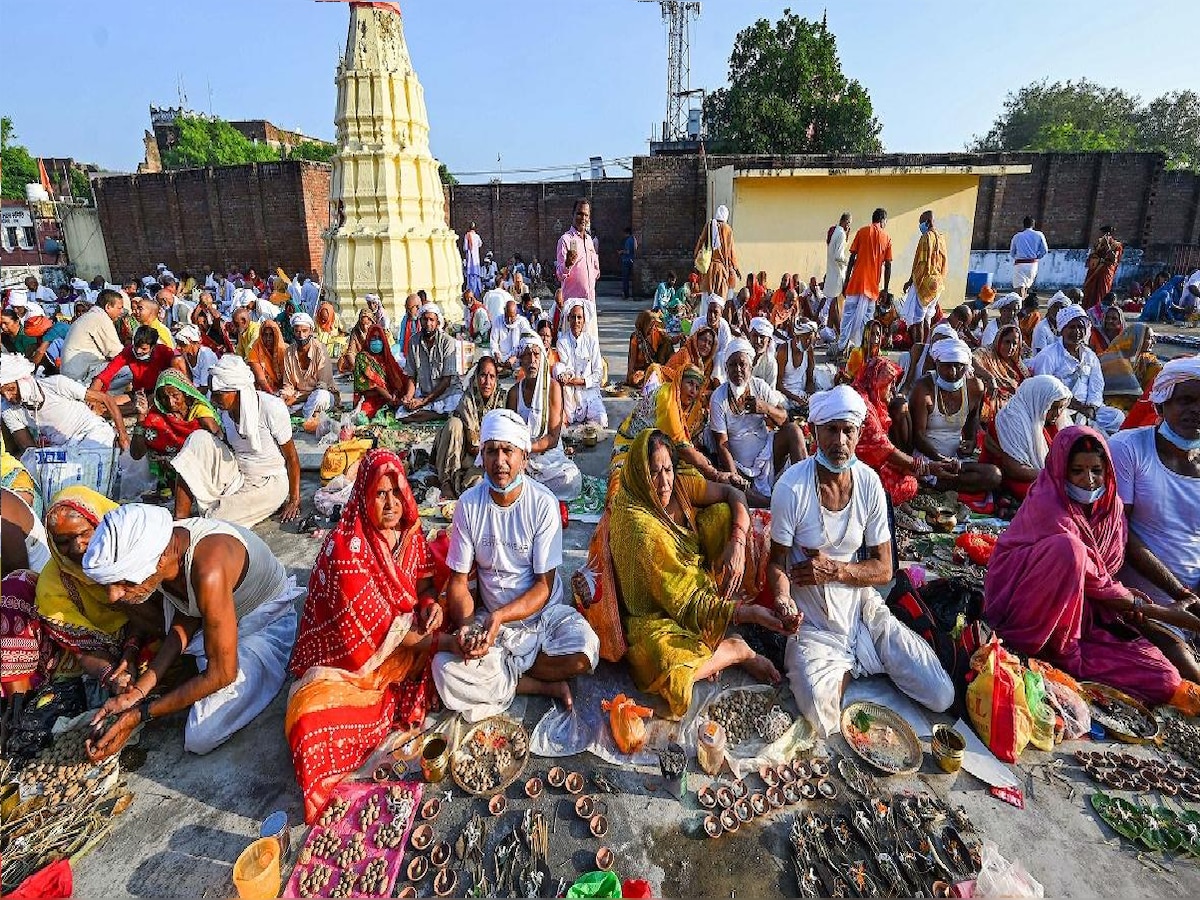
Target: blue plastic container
(976, 281)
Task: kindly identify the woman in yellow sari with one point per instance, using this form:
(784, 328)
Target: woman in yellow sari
(678, 612)
(75, 611)
(1135, 344)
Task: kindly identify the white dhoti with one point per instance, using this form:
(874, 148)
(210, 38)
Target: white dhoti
(914, 311)
(556, 471)
(760, 471)
(221, 490)
(583, 405)
(486, 687)
(1023, 275)
(319, 401)
(858, 311)
(817, 660)
(265, 638)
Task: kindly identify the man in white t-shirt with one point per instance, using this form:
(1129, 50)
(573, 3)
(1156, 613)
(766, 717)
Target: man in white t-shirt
(54, 411)
(823, 511)
(525, 639)
(742, 414)
(1158, 478)
(256, 471)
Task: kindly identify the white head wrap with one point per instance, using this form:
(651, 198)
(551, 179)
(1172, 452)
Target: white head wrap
(232, 374)
(843, 403)
(716, 300)
(1176, 371)
(1007, 300)
(149, 280)
(722, 213)
(244, 297)
(1060, 297)
(951, 350)
(505, 426)
(162, 267)
(762, 326)
(804, 326)
(738, 345)
(529, 339)
(942, 329)
(371, 298)
(1067, 313)
(79, 284)
(302, 318)
(1021, 424)
(32, 310)
(14, 367)
(190, 334)
(128, 544)
(18, 297)
(570, 304)
(432, 307)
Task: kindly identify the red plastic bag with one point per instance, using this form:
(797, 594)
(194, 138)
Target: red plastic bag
(636, 887)
(978, 546)
(996, 702)
(50, 883)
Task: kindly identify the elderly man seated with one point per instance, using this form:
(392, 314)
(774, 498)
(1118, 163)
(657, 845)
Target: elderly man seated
(507, 331)
(824, 510)
(434, 387)
(714, 318)
(945, 406)
(525, 639)
(742, 413)
(55, 411)
(228, 603)
(308, 384)
(1158, 477)
(580, 370)
(1075, 364)
(255, 471)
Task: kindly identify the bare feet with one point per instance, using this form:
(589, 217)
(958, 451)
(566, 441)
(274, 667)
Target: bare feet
(560, 690)
(762, 669)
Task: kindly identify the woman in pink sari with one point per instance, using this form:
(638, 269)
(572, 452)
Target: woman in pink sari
(1051, 590)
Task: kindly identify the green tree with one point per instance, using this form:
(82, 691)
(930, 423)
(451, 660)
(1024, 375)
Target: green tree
(444, 174)
(19, 167)
(787, 94)
(317, 151)
(214, 142)
(81, 185)
(1082, 115)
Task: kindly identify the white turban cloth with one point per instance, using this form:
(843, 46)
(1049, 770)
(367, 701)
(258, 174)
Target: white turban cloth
(190, 334)
(943, 329)
(505, 426)
(842, 404)
(371, 298)
(722, 213)
(128, 544)
(762, 326)
(232, 374)
(432, 308)
(14, 367)
(1021, 424)
(1176, 371)
(716, 300)
(804, 326)
(1059, 297)
(951, 350)
(1066, 314)
(244, 297)
(32, 310)
(1007, 300)
(570, 305)
(302, 318)
(530, 339)
(738, 345)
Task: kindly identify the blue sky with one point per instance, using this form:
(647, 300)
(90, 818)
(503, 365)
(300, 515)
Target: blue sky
(544, 84)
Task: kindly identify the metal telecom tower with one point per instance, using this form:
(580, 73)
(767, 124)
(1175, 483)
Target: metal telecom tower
(678, 15)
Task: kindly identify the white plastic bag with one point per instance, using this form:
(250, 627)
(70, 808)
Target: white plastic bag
(1000, 878)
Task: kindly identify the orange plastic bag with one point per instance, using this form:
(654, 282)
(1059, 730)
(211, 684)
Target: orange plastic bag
(1186, 698)
(996, 702)
(625, 718)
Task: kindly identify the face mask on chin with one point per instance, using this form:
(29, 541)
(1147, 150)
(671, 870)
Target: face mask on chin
(142, 357)
(950, 385)
(1083, 495)
(1173, 437)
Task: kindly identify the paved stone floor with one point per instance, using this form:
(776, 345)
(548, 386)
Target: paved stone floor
(193, 815)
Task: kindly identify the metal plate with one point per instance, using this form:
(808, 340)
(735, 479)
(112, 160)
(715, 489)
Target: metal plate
(887, 744)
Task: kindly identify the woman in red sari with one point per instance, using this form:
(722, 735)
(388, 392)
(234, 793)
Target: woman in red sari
(1102, 265)
(378, 379)
(367, 637)
(897, 470)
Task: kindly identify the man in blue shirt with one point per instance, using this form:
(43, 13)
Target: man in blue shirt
(628, 253)
(1026, 249)
(1161, 305)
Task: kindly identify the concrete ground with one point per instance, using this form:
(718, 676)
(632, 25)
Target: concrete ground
(193, 815)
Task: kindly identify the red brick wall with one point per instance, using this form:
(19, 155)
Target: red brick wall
(529, 218)
(262, 215)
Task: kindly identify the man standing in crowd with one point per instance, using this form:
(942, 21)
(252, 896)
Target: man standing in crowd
(578, 264)
(1027, 247)
(837, 256)
(870, 254)
(471, 247)
(924, 285)
(628, 255)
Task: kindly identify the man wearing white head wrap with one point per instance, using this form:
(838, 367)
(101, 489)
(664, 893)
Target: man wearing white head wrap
(1075, 364)
(256, 469)
(538, 399)
(749, 427)
(714, 318)
(800, 375)
(515, 633)
(722, 275)
(92, 340)
(1046, 331)
(582, 369)
(308, 385)
(226, 598)
(507, 330)
(762, 337)
(944, 406)
(824, 509)
(434, 386)
(1006, 309)
(55, 411)
(1158, 477)
(577, 262)
(198, 358)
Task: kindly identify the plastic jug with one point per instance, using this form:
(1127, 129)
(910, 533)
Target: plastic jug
(256, 874)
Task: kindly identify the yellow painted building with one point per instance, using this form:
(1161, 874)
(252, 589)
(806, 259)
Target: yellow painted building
(780, 216)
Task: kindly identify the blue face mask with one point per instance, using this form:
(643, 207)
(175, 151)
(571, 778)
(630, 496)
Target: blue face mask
(924, 227)
(375, 346)
(950, 385)
(1081, 495)
(1174, 437)
(504, 492)
(825, 462)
